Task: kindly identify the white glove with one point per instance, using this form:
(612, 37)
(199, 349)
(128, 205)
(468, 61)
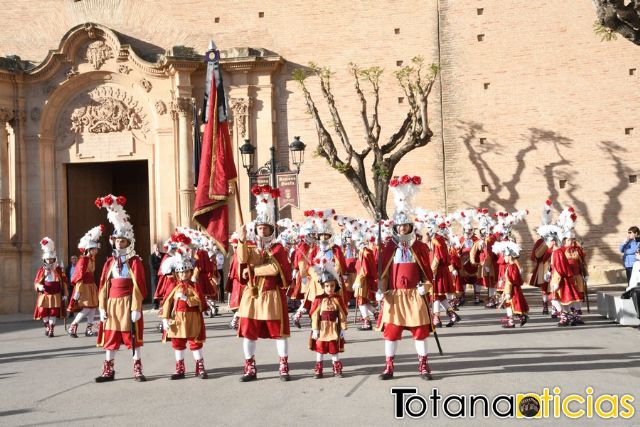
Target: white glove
(76, 296)
(135, 316)
(165, 324)
(586, 278)
(341, 334)
(64, 298)
(295, 274)
(356, 286)
(180, 295)
(547, 276)
(422, 290)
(345, 278)
(315, 334)
(40, 288)
(305, 280)
(379, 296)
(454, 273)
(103, 315)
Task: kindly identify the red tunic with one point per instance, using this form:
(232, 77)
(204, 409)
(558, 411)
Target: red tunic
(329, 323)
(367, 272)
(204, 271)
(235, 282)
(442, 283)
(89, 287)
(300, 255)
(513, 281)
(538, 262)
(454, 259)
(562, 285)
(49, 302)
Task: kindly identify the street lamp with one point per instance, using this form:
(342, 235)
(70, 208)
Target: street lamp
(297, 152)
(248, 151)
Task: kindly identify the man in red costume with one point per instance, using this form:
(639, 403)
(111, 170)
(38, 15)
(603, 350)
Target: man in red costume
(406, 271)
(263, 308)
(121, 292)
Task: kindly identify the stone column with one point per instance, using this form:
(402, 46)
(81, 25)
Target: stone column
(5, 200)
(185, 148)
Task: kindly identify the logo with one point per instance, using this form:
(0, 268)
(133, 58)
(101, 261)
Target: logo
(529, 406)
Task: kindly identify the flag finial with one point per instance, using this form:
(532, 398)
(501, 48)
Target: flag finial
(212, 45)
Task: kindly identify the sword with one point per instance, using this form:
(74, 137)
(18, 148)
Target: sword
(433, 329)
(586, 295)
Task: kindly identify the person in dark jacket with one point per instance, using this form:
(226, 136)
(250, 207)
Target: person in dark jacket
(154, 265)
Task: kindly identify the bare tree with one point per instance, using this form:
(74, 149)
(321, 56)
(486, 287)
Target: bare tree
(618, 16)
(417, 81)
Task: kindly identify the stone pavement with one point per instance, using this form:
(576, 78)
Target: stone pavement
(49, 381)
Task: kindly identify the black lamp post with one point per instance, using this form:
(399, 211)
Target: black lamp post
(248, 151)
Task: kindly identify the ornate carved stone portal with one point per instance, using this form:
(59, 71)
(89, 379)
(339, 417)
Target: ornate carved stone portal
(240, 108)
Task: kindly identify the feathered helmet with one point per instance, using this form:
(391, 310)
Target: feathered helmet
(326, 270)
(506, 221)
(404, 189)
(465, 218)
(265, 204)
(485, 222)
(91, 239)
(118, 217)
(321, 220)
(180, 249)
(48, 248)
(567, 222)
(547, 229)
(235, 238)
(506, 248)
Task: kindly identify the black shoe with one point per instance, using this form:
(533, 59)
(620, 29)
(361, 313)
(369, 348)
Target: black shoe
(102, 379)
(177, 376)
(385, 376)
(523, 320)
(285, 377)
(140, 378)
(247, 378)
(426, 376)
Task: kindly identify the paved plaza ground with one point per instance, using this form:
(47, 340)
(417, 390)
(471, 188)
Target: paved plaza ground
(49, 381)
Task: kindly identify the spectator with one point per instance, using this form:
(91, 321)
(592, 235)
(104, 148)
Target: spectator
(154, 266)
(220, 267)
(629, 249)
(633, 290)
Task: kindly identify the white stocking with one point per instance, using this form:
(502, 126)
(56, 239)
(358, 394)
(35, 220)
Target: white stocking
(363, 311)
(370, 309)
(509, 312)
(545, 297)
(249, 347)
(109, 355)
(91, 312)
(477, 288)
(179, 355)
(556, 304)
(79, 317)
(52, 320)
(283, 347)
(436, 306)
(319, 357)
(137, 354)
(45, 319)
(390, 348)
(334, 358)
(197, 354)
(577, 305)
(445, 305)
(492, 292)
(421, 347)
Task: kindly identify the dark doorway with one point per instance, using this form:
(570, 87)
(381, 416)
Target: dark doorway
(88, 181)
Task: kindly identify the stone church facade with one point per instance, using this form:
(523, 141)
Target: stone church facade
(98, 97)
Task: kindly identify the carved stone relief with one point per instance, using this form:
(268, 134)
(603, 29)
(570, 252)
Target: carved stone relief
(161, 107)
(146, 84)
(240, 108)
(109, 109)
(97, 53)
(124, 69)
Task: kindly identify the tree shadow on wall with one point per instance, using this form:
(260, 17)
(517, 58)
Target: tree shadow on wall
(504, 194)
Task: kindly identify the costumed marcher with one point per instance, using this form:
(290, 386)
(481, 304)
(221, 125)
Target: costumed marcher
(350, 251)
(576, 258)
(403, 285)
(541, 257)
(455, 267)
(121, 292)
(182, 311)
(366, 280)
(512, 296)
(482, 255)
(235, 283)
(328, 318)
(301, 263)
(440, 263)
(84, 299)
(469, 270)
(51, 285)
(263, 307)
(562, 288)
